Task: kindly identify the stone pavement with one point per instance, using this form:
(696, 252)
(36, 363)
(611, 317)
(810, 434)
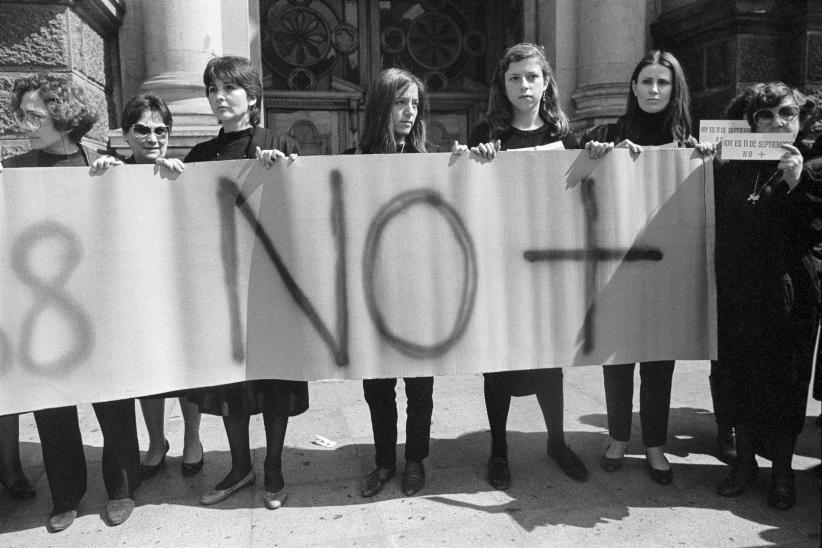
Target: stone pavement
(457, 507)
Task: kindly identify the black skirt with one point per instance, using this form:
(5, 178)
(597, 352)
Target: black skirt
(277, 397)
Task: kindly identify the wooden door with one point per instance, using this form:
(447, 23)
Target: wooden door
(319, 55)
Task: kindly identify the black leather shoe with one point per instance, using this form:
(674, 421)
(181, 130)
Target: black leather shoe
(725, 444)
(662, 477)
(610, 464)
(376, 480)
(499, 476)
(740, 477)
(782, 495)
(150, 470)
(20, 489)
(414, 478)
(569, 462)
(193, 468)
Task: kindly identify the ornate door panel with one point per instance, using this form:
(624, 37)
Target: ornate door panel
(319, 55)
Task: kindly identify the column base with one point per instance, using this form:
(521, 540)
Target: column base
(599, 103)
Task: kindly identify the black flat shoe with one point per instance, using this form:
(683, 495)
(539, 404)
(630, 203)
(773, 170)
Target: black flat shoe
(414, 478)
(782, 494)
(20, 489)
(610, 464)
(499, 476)
(193, 468)
(376, 480)
(662, 477)
(150, 470)
(739, 478)
(569, 462)
(725, 445)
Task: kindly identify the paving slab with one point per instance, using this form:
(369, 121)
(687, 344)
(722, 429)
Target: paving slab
(457, 507)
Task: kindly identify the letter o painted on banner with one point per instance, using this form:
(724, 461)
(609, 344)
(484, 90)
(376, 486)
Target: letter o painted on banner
(394, 207)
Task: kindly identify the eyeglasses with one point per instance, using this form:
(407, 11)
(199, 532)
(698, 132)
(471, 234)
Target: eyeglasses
(29, 118)
(161, 132)
(788, 113)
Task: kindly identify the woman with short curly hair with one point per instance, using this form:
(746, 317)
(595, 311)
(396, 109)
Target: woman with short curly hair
(55, 114)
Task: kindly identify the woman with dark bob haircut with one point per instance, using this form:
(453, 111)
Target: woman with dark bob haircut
(767, 293)
(54, 114)
(146, 124)
(234, 91)
(657, 113)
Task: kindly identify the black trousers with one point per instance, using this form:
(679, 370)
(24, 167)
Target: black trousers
(381, 398)
(654, 400)
(65, 461)
(721, 394)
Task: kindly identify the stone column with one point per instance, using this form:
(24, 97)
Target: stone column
(177, 38)
(557, 31)
(612, 38)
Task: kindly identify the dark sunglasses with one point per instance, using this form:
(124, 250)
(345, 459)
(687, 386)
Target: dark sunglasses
(788, 113)
(161, 132)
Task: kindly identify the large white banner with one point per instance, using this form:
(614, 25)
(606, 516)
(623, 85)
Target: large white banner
(139, 282)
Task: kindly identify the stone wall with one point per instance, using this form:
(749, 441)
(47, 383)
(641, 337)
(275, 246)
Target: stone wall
(74, 39)
(725, 45)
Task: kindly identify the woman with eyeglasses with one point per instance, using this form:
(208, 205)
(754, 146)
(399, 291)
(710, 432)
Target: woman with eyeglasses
(767, 221)
(146, 123)
(55, 114)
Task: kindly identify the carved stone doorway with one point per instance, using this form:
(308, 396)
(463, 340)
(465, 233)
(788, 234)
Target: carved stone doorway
(319, 55)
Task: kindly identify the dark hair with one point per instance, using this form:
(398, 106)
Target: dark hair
(736, 108)
(770, 94)
(378, 132)
(499, 107)
(678, 110)
(140, 104)
(240, 72)
(68, 105)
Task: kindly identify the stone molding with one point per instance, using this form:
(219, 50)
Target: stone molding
(596, 103)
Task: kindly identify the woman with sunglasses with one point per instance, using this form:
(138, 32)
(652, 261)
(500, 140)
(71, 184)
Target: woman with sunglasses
(766, 217)
(146, 123)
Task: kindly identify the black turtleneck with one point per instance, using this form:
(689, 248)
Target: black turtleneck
(644, 129)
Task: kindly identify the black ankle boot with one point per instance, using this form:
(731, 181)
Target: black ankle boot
(725, 443)
(782, 494)
(741, 476)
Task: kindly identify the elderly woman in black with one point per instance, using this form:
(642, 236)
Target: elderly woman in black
(55, 114)
(767, 217)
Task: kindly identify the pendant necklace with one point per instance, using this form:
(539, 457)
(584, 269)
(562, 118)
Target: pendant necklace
(753, 197)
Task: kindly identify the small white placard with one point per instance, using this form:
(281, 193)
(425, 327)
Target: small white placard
(712, 131)
(755, 146)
